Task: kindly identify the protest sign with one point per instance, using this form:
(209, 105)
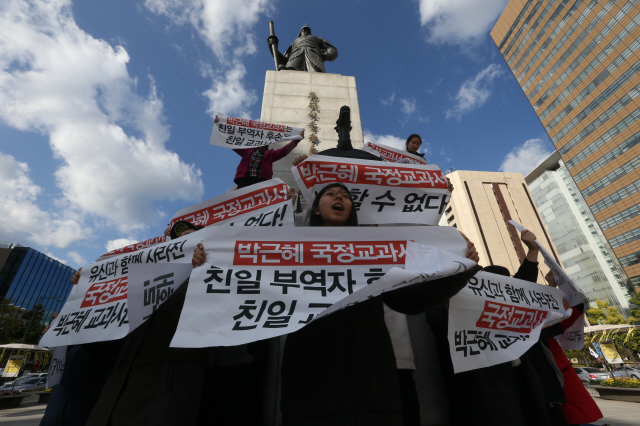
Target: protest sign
(262, 283)
(496, 319)
(262, 204)
(56, 366)
(96, 309)
(135, 247)
(240, 133)
(382, 192)
(392, 155)
(573, 295)
(150, 285)
(610, 353)
(573, 337)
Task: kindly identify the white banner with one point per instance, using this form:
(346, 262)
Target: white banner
(262, 204)
(240, 133)
(496, 319)
(56, 367)
(135, 247)
(263, 283)
(382, 193)
(573, 337)
(392, 155)
(572, 293)
(96, 309)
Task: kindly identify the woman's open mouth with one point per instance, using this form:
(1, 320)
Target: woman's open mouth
(338, 207)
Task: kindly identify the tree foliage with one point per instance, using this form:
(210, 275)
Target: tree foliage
(634, 312)
(604, 314)
(14, 324)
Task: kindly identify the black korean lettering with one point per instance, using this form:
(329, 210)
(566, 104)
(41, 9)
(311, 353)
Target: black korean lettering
(175, 250)
(310, 318)
(275, 319)
(285, 280)
(311, 278)
(215, 275)
(382, 204)
(358, 196)
(374, 274)
(246, 312)
(410, 205)
(428, 204)
(335, 284)
(157, 291)
(246, 285)
(60, 327)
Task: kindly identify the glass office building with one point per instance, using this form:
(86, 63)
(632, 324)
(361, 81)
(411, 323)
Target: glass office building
(584, 251)
(28, 278)
(578, 63)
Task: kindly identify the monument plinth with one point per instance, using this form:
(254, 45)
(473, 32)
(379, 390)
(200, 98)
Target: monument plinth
(286, 100)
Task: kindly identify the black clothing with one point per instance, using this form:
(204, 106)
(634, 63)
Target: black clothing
(417, 154)
(409, 398)
(248, 180)
(341, 370)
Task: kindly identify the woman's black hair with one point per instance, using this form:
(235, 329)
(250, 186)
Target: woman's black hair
(316, 219)
(415, 135)
(497, 269)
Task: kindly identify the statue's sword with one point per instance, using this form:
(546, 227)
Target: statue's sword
(272, 32)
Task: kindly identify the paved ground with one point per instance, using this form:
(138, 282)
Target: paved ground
(616, 413)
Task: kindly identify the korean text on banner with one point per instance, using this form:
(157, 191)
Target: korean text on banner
(240, 133)
(56, 366)
(262, 204)
(573, 337)
(264, 283)
(572, 293)
(392, 155)
(96, 309)
(496, 319)
(135, 247)
(382, 192)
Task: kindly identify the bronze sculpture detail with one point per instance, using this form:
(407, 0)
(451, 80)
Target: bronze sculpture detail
(306, 53)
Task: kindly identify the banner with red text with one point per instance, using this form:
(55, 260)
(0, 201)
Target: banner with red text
(392, 155)
(240, 133)
(382, 192)
(262, 204)
(135, 247)
(496, 319)
(263, 283)
(97, 307)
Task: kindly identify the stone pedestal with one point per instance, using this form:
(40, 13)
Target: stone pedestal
(286, 101)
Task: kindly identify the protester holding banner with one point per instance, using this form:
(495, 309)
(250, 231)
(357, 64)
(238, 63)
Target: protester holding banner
(413, 144)
(580, 406)
(341, 369)
(257, 163)
(505, 394)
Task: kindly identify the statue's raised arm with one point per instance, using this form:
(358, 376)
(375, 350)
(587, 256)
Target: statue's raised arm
(306, 53)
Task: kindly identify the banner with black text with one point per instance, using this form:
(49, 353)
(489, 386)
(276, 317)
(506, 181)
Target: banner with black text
(239, 133)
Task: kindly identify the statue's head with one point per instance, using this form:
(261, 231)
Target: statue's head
(305, 30)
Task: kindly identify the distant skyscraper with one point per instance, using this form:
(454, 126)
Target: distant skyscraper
(578, 63)
(28, 277)
(586, 255)
(480, 206)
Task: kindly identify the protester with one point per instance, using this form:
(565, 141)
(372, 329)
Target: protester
(341, 370)
(580, 407)
(508, 394)
(257, 163)
(413, 144)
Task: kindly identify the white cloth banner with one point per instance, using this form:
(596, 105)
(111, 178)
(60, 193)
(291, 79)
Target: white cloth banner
(262, 204)
(496, 319)
(573, 337)
(56, 366)
(96, 309)
(382, 192)
(392, 155)
(135, 247)
(572, 293)
(240, 133)
(264, 283)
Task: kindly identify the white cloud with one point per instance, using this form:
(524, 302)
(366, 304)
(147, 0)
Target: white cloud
(77, 259)
(474, 92)
(408, 106)
(392, 141)
(389, 100)
(54, 257)
(524, 158)
(58, 80)
(23, 219)
(119, 243)
(225, 26)
(459, 21)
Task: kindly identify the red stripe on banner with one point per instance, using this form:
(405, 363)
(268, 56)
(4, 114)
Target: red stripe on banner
(325, 172)
(105, 292)
(256, 124)
(246, 203)
(319, 253)
(393, 156)
(498, 316)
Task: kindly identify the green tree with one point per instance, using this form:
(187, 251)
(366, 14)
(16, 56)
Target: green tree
(32, 326)
(604, 314)
(634, 313)
(10, 325)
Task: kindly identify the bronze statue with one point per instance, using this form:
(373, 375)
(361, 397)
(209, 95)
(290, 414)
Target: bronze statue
(306, 53)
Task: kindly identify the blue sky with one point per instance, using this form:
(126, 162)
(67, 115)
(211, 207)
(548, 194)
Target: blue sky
(106, 107)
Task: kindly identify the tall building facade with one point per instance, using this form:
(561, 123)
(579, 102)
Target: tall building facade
(582, 247)
(481, 205)
(578, 63)
(29, 278)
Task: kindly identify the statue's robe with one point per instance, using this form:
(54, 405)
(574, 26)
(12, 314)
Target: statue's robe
(304, 54)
